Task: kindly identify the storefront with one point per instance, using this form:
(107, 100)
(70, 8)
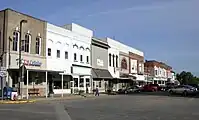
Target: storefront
(34, 74)
(81, 79)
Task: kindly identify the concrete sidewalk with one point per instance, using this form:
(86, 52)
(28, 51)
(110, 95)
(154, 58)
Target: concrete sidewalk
(69, 97)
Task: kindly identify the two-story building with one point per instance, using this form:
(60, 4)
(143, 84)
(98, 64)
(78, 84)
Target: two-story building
(136, 67)
(81, 53)
(59, 59)
(100, 74)
(158, 72)
(123, 64)
(33, 51)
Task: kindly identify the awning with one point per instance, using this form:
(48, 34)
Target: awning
(101, 73)
(127, 76)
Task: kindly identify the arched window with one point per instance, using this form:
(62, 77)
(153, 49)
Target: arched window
(15, 40)
(75, 57)
(38, 45)
(124, 64)
(109, 59)
(113, 60)
(26, 43)
(116, 61)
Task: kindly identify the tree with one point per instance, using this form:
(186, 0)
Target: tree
(187, 78)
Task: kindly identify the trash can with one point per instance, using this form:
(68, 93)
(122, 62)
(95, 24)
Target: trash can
(14, 94)
(7, 93)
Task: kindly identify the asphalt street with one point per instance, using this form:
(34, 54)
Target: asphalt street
(118, 107)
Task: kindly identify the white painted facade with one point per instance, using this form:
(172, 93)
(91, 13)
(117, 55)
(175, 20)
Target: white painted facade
(160, 75)
(113, 50)
(81, 48)
(59, 39)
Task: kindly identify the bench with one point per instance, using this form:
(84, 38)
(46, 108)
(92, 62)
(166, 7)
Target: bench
(33, 91)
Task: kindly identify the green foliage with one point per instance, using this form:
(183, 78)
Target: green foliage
(187, 78)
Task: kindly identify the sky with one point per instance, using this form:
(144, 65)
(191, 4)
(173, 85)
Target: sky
(165, 30)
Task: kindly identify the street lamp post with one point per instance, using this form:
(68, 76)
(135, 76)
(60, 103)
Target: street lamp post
(20, 73)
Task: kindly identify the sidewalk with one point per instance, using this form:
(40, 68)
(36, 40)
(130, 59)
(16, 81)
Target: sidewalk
(68, 97)
(55, 98)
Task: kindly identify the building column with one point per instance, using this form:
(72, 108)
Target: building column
(27, 81)
(62, 85)
(46, 84)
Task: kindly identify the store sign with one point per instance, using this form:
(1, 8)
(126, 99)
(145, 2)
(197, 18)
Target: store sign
(30, 62)
(100, 62)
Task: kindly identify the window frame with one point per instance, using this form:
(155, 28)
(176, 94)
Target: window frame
(124, 63)
(58, 53)
(87, 59)
(116, 61)
(26, 44)
(113, 60)
(14, 40)
(66, 54)
(38, 38)
(81, 58)
(49, 52)
(75, 57)
(110, 59)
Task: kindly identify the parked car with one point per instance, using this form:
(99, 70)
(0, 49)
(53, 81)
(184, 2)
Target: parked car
(132, 89)
(169, 86)
(150, 88)
(183, 90)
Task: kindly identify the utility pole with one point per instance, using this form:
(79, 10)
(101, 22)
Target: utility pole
(20, 72)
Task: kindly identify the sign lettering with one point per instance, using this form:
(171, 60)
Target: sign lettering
(30, 62)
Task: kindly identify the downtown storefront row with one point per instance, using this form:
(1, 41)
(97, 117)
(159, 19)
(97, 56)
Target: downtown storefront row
(65, 60)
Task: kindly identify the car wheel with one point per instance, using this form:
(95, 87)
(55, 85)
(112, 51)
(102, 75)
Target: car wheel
(185, 93)
(125, 92)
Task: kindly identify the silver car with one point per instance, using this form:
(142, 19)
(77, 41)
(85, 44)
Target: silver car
(183, 90)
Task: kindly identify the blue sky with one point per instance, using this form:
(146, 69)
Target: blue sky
(166, 30)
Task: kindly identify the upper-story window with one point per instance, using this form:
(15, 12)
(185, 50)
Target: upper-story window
(156, 72)
(15, 40)
(87, 59)
(109, 59)
(49, 51)
(116, 61)
(75, 57)
(124, 64)
(26, 43)
(66, 55)
(113, 60)
(38, 45)
(81, 58)
(58, 53)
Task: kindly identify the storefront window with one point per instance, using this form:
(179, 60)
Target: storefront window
(57, 85)
(87, 82)
(100, 84)
(81, 83)
(75, 82)
(66, 84)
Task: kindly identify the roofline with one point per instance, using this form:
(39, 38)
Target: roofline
(24, 14)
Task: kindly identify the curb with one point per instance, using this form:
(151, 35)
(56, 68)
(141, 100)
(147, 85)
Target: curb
(17, 102)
